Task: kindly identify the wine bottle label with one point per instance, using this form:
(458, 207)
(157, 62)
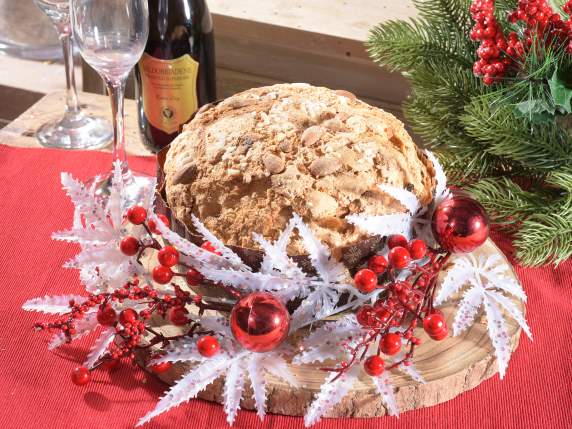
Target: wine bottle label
(169, 90)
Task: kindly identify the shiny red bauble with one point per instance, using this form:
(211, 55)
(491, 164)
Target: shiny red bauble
(374, 366)
(399, 257)
(153, 226)
(460, 224)
(377, 263)
(160, 368)
(417, 249)
(128, 316)
(194, 278)
(80, 376)
(168, 256)
(259, 322)
(365, 280)
(136, 215)
(208, 346)
(162, 274)
(178, 315)
(396, 240)
(106, 315)
(129, 246)
(390, 344)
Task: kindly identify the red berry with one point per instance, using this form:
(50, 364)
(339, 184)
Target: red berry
(417, 249)
(160, 368)
(168, 256)
(178, 315)
(81, 376)
(194, 278)
(153, 225)
(434, 323)
(383, 315)
(440, 335)
(374, 366)
(390, 344)
(397, 240)
(377, 263)
(128, 316)
(106, 315)
(365, 315)
(399, 257)
(365, 280)
(208, 346)
(129, 246)
(162, 274)
(136, 215)
(208, 246)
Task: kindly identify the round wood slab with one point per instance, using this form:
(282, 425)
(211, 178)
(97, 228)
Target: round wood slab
(449, 367)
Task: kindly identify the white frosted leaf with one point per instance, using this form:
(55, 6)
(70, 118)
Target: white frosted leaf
(385, 389)
(412, 372)
(383, 225)
(331, 393)
(407, 199)
(233, 388)
(457, 276)
(441, 191)
(498, 334)
(258, 383)
(248, 280)
(115, 201)
(100, 347)
(184, 350)
(467, 311)
(277, 366)
(52, 304)
(505, 283)
(512, 310)
(218, 245)
(189, 386)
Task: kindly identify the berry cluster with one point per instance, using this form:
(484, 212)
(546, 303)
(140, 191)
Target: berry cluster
(400, 303)
(130, 325)
(497, 53)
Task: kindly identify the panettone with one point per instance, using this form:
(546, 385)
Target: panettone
(246, 164)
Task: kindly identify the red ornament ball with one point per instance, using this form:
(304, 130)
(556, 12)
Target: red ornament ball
(460, 224)
(259, 322)
(160, 368)
(128, 316)
(399, 257)
(390, 344)
(194, 278)
(377, 263)
(178, 315)
(168, 256)
(397, 240)
(136, 215)
(374, 366)
(440, 335)
(365, 280)
(417, 249)
(129, 246)
(208, 346)
(153, 225)
(80, 376)
(106, 315)
(162, 274)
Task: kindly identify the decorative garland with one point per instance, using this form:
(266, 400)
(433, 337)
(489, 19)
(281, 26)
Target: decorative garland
(245, 334)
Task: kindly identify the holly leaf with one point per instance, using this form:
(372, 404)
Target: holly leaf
(561, 90)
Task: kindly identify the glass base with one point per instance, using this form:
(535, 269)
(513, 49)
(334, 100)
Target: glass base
(136, 186)
(76, 132)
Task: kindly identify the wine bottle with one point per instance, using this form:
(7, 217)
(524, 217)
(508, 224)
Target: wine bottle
(176, 74)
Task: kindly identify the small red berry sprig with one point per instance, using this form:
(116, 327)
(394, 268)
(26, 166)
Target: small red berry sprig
(400, 303)
(132, 327)
(497, 53)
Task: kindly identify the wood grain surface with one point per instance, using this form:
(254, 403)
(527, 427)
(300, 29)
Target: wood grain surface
(450, 367)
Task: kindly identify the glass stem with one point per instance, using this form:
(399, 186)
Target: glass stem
(72, 101)
(116, 91)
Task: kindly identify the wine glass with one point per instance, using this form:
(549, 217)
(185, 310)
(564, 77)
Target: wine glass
(111, 36)
(75, 130)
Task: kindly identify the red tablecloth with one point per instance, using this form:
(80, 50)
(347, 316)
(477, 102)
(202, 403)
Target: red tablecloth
(35, 387)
